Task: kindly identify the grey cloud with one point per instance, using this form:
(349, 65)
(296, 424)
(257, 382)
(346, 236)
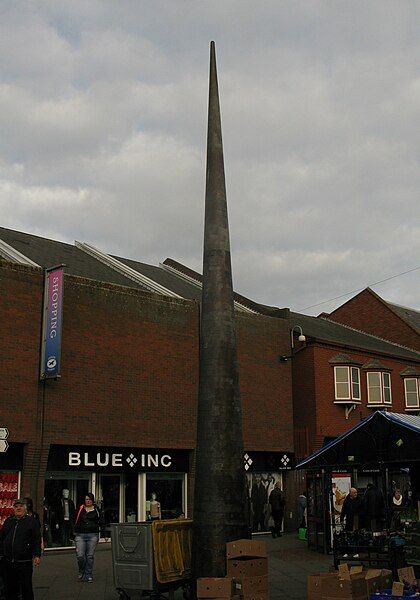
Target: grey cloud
(103, 121)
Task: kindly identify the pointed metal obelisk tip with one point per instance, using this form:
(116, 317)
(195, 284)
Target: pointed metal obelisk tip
(220, 490)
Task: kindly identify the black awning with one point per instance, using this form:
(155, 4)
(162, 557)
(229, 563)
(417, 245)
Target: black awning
(381, 438)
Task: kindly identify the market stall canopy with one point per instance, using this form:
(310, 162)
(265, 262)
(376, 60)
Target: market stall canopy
(381, 438)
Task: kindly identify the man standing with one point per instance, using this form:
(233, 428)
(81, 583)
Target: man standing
(258, 502)
(20, 538)
(350, 509)
(277, 503)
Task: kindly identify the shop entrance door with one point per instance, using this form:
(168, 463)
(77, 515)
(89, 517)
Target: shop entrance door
(110, 500)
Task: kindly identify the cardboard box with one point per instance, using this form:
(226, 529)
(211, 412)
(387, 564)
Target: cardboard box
(246, 549)
(247, 568)
(335, 587)
(344, 571)
(248, 586)
(387, 579)
(407, 575)
(314, 585)
(374, 581)
(215, 587)
(397, 588)
(356, 569)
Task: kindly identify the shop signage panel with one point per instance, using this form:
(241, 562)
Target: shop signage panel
(8, 493)
(262, 462)
(4, 434)
(51, 329)
(115, 459)
(12, 460)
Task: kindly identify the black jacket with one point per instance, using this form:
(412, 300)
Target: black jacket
(20, 539)
(88, 521)
(351, 507)
(277, 499)
(373, 503)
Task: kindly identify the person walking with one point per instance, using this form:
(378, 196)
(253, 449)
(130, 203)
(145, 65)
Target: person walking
(277, 503)
(302, 503)
(87, 528)
(20, 538)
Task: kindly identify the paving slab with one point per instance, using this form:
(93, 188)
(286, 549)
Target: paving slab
(290, 562)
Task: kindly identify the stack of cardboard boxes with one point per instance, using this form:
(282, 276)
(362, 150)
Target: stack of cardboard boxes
(349, 583)
(247, 563)
(247, 574)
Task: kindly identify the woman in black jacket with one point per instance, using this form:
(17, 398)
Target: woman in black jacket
(87, 528)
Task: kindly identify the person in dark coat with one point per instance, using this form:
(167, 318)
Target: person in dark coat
(258, 503)
(373, 507)
(277, 503)
(20, 539)
(351, 508)
(302, 504)
(87, 528)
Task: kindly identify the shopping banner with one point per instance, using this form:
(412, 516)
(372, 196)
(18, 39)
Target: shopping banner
(51, 330)
(8, 493)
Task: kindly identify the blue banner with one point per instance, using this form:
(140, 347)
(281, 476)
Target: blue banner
(53, 310)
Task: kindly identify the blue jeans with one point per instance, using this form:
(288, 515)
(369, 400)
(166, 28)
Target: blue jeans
(85, 550)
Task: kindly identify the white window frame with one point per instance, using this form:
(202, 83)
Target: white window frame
(337, 397)
(387, 402)
(352, 370)
(350, 382)
(381, 388)
(417, 391)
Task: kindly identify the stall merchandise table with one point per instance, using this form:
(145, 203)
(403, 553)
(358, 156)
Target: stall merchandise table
(370, 551)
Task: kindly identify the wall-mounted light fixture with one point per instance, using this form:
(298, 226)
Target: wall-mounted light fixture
(301, 337)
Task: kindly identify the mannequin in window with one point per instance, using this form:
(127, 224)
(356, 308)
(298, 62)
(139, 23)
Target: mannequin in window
(65, 517)
(155, 512)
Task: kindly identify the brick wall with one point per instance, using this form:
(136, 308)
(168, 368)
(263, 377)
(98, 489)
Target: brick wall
(304, 401)
(129, 372)
(313, 381)
(368, 313)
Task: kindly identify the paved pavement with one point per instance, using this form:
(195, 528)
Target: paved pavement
(289, 559)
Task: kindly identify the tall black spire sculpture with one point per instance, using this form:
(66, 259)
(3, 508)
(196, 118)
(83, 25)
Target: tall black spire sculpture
(220, 494)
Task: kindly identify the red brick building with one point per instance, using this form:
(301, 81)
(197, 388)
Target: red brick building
(121, 418)
(369, 312)
(341, 374)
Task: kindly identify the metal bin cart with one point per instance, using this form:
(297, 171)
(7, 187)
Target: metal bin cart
(151, 558)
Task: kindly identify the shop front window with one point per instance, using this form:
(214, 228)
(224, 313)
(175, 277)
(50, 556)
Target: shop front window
(164, 495)
(130, 495)
(109, 500)
(64, 493)
(260, 486)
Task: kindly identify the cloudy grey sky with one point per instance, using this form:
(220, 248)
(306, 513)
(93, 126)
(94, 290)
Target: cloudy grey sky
(103, 124)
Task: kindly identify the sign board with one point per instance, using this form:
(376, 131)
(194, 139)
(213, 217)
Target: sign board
(8, 492)
(115, 459)
(51, 327)
(4, 434)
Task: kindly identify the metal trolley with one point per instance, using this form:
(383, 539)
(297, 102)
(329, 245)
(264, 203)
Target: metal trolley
(152, 558)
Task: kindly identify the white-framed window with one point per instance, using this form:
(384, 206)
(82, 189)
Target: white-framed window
(347, 383)
(355, 383)
(411, 388)
(386, 386)
(379, 387)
